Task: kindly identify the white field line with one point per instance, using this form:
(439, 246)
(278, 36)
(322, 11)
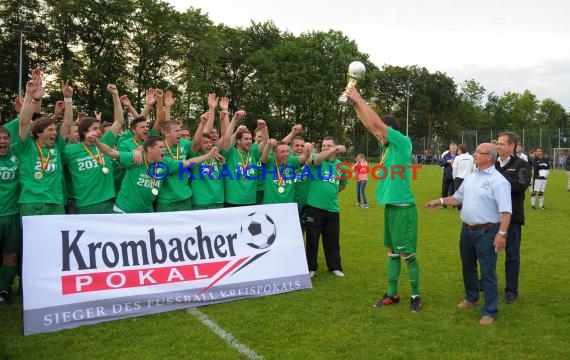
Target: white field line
(226, 336)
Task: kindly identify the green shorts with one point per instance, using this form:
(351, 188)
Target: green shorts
(105, 207)
(401, 228)
(10, 234)
(183, 205)
(41, 209)
(207, 206)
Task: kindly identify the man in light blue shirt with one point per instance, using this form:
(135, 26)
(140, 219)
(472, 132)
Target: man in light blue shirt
(486, 198)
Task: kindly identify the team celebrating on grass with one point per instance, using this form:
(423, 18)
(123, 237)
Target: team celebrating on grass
(88, 166)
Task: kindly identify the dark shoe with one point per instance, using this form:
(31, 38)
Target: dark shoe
(5, 298)
(510, 298)
(387, 300)
(533, 207)
(416, 304)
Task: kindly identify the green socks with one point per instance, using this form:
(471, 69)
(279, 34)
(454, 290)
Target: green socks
(393, 274)
(7, 275)
(413, 274)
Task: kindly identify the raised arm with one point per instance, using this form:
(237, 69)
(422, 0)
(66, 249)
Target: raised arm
(224, 114)
(150, 100)
(295, 130)
(225, 142)
(38, 93)
(159, 96)
(130, 108)
(265, 154)
(212, 105)
(367, 116)
(169, 101)
(119, 117)
(67, 91)
(27, 110)
(264, 135)
(198, 134)
(58, 110)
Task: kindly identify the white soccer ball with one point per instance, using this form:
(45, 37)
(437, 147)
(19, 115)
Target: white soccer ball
(258, 230)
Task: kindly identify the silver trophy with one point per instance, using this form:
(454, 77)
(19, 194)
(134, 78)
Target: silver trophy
(356, 71)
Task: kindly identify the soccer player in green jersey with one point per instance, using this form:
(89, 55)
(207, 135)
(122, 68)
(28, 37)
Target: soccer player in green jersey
(241, 159)
(323, 211)
(40, 149)
(279, 172)
(207, 185)
(10, 228)
(92, 171)
(175, 193)
(400, 215)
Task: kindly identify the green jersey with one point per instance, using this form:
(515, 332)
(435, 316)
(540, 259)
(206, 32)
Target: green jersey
(41, 172)
(91, 183)
(395, 173)
(325, 184)
(279, 182)
(207, 185)
(9, 186)
(139, 190)
(13, 128)
(239, 189)
(176, 188)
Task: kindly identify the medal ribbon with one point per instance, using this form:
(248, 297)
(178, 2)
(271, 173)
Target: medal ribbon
(244, 165)
(279, 177)
(101, 161)
(41, 153)
(152, 181)
(170, 152)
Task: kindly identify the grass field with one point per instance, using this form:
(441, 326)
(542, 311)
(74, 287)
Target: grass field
(336, 320)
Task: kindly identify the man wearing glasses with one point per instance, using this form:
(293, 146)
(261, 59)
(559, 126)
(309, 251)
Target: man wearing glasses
(486, 198)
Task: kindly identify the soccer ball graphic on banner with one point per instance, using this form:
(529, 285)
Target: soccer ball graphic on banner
(258, 230)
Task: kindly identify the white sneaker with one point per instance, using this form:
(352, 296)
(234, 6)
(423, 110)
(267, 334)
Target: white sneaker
(337, 273)
(312, 273)
(358, 204)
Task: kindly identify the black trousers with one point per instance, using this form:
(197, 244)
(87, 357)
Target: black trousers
(456, 184)
(325, 223)
(447, 187)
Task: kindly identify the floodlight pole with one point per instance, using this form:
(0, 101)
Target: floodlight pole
(407, 108)
(21, 29)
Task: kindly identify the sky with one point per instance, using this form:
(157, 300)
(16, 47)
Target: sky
(505, 45)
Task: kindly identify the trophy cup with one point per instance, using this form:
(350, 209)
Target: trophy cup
(356, 72)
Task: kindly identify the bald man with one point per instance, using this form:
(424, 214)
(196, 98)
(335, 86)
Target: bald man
(486, 198)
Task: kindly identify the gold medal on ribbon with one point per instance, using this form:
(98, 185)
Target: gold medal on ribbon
(98, 159)
(43, 163)
(281, 189)
(244, 164)
(154, 191)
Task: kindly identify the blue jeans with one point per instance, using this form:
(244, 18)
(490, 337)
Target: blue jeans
(360, 186)
(513, 259)
(477, 245)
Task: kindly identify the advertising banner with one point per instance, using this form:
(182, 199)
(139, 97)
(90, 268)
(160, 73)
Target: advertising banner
(85, 269)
